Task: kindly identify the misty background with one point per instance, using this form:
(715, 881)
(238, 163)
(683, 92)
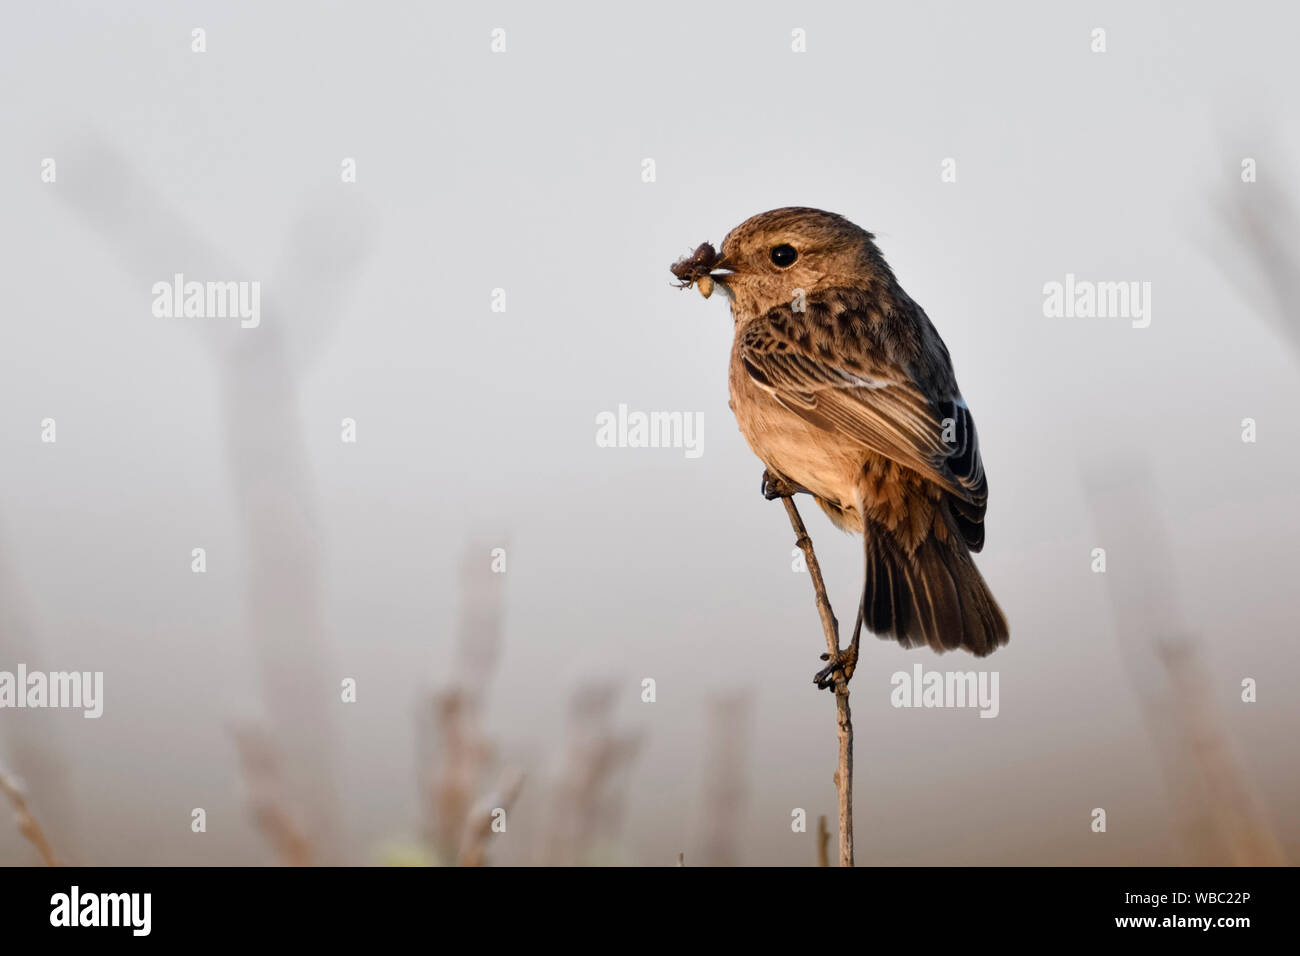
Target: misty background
(476, 429)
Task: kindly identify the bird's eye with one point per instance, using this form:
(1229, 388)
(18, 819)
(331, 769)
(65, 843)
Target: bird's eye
(784, 255)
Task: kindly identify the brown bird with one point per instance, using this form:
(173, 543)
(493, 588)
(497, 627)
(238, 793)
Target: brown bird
(844, 389)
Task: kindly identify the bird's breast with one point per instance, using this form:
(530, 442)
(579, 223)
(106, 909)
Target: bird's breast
(824, 463)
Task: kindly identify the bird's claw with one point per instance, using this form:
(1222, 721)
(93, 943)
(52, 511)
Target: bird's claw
(843, 663)
(774, 486)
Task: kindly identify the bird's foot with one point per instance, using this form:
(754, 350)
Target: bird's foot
(776, 486)
(844, 663)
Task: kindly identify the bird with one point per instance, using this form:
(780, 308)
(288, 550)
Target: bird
(843, 388)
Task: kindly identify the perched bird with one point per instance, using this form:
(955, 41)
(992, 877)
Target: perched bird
(844, 389)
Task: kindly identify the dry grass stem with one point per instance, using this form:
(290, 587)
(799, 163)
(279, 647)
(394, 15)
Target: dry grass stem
(27, 824)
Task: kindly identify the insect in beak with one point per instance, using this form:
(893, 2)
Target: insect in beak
(703, 269)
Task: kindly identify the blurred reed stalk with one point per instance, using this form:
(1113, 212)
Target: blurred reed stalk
(1218, 819)
(457, 753)
(725, 777)
(1231, 813)
(823, 842)
(478, 823)
(460, 755)
(27, 824)
(268, 801)
(33, 743)
(587, 802)
(1265, 224)
(259, 372)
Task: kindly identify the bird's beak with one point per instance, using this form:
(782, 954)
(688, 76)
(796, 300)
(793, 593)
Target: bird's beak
(717, 277)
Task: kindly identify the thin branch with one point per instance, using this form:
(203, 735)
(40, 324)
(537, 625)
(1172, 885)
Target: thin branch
(27, 824)
(829, 624)
(823, 842)
(843, 717)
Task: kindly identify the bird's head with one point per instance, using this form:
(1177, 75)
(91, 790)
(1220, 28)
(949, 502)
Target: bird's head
(769, 259)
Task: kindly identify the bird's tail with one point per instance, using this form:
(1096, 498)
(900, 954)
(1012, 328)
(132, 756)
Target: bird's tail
(934, 596)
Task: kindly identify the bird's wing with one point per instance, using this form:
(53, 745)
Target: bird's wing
(828, 365)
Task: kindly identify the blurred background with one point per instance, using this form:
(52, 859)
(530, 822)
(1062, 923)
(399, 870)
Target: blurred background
(521, 686)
